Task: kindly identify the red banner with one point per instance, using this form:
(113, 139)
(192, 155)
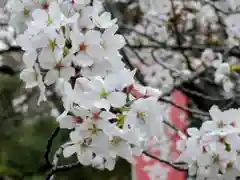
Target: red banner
(149, 169)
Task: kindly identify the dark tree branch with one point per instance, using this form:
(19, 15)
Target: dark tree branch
(165, 162)
(7, 70)
(11, 49)
(49, 147)
(189, 110)
(162, 45)
(62, 168)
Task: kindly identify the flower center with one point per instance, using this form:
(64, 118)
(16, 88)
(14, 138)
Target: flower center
(116, 140)
(38, 50)
(222, 140)
(141, 115)
(65, 51)
(204, 150)
(220, 124)
(227, 147)
(120, 120)
(103, 93)
(93, 129)
(45, 5)
(52, 44)
(59, 66)
(216, 158)
(103, 44)
(83, 47)
(26, 12)
(233, 124)
(229, 165)
(95, 116)
(49, 20)
(86, 142)
(77, 120)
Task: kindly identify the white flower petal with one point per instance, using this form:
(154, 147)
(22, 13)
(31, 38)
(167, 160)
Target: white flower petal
(39, 15)
(117, 99)
(69, 151)
(92, 37)
(208, 126)
(193, 132)
(51, 77)
(110, 163)
(192, 170)
(110, 32)
(46, 59)
(116, 42)
(54, 11)
(75, 137)
(66, 122)
(85, 158)
(29, 77)
(95, 51)
(83, 59)
(103, 103)
(29, 58)
(67, 72)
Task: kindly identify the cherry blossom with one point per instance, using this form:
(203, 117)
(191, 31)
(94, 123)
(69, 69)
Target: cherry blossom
(75, 47)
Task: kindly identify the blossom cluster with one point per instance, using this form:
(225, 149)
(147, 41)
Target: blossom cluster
(74, 45)
(199, 27)
(213, 150)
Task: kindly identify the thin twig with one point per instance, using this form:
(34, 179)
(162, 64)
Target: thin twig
(199, 47)
(49, 147)
(190, 110)
(164, 161)
(62, 168)
(206, 97)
